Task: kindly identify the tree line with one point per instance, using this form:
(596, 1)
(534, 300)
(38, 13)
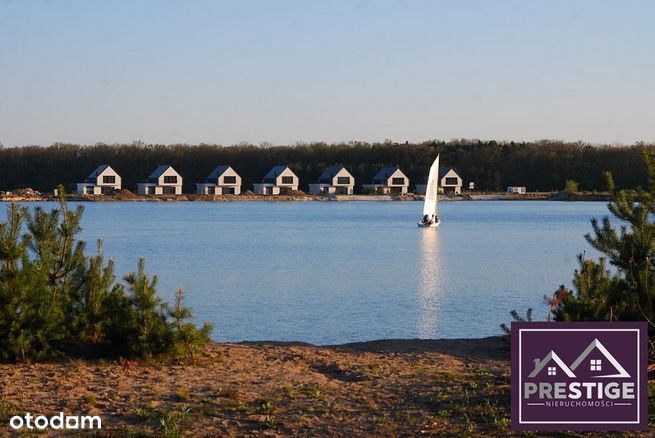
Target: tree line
(490, 165)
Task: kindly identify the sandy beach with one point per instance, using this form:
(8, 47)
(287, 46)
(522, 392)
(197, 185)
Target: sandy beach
(379, 388)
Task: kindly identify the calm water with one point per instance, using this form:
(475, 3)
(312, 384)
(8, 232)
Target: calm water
(349, 271)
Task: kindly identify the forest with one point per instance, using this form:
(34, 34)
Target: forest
(490, 165)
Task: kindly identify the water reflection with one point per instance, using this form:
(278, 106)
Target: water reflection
(430, 283)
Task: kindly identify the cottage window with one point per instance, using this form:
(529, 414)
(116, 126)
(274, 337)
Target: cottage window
(211, 190)
(343, 180)
(451, 181)
(170, 179)
(287, 180)
(168, 190)
(229, 180)
(398, 181)
(109, 179)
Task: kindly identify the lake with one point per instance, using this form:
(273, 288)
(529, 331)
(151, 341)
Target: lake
(335, 272)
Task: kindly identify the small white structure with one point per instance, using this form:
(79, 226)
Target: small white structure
(516, 190)
(335, 179)
(450, 181)
(221, 181)
(101, 181)
(278, 180)
(389, 180)
(163, 181)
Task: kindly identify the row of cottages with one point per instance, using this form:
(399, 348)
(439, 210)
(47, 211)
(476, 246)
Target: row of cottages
(104, 180)
(224, 180)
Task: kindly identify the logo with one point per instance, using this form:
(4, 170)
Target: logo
(56, 422)
(579, 376)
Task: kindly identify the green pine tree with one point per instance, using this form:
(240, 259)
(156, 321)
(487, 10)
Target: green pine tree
(188, 340)
(52, 294)
(627, 291)
(152, 335)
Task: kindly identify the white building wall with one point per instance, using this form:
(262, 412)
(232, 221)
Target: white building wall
(287, 172)
(404, 188)
(117, 184)
(266, 189)
(456, 188)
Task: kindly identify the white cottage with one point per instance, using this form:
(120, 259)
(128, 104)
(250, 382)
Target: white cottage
(335, 179)
(163, 181)
(389, 180)
(450, 181)
(221, 181)
(278, 180)
(101, 181)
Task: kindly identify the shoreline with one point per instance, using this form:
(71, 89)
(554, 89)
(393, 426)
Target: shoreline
(377, 388)
(541, 196)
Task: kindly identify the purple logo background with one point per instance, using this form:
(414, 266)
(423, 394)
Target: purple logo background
(591, 353)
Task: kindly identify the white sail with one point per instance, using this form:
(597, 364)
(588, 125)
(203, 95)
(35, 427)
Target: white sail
(430, 205)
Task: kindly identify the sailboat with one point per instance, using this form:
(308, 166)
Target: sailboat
(431, 205)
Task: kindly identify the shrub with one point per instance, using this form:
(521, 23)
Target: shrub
(571, 187)
(52, 293)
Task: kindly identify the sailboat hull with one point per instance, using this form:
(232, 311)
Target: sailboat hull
(434, 225)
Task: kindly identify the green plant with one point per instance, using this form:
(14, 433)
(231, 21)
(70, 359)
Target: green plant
(266, 407)
(571, 187)
(444, 413)
(52, 295)
(627, 292)
(188, 340)
(170, 426)
(170, 422)
(271, 423)
(515, 315)
(316, 393)
(145, 413)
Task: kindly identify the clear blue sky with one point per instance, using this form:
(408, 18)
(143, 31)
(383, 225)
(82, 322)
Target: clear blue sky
(282, 71)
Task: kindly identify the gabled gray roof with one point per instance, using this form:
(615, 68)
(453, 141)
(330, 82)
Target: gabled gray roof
(98, 170)
(385, 173)
(160, 170)
(273, 173)
(329, 173)
(217, 172)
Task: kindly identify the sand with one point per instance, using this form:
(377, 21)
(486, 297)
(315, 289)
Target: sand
(380, 388)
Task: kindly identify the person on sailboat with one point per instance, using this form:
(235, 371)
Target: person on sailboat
(427, 220)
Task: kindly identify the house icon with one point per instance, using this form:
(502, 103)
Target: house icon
(596, 365)
(551, 357)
